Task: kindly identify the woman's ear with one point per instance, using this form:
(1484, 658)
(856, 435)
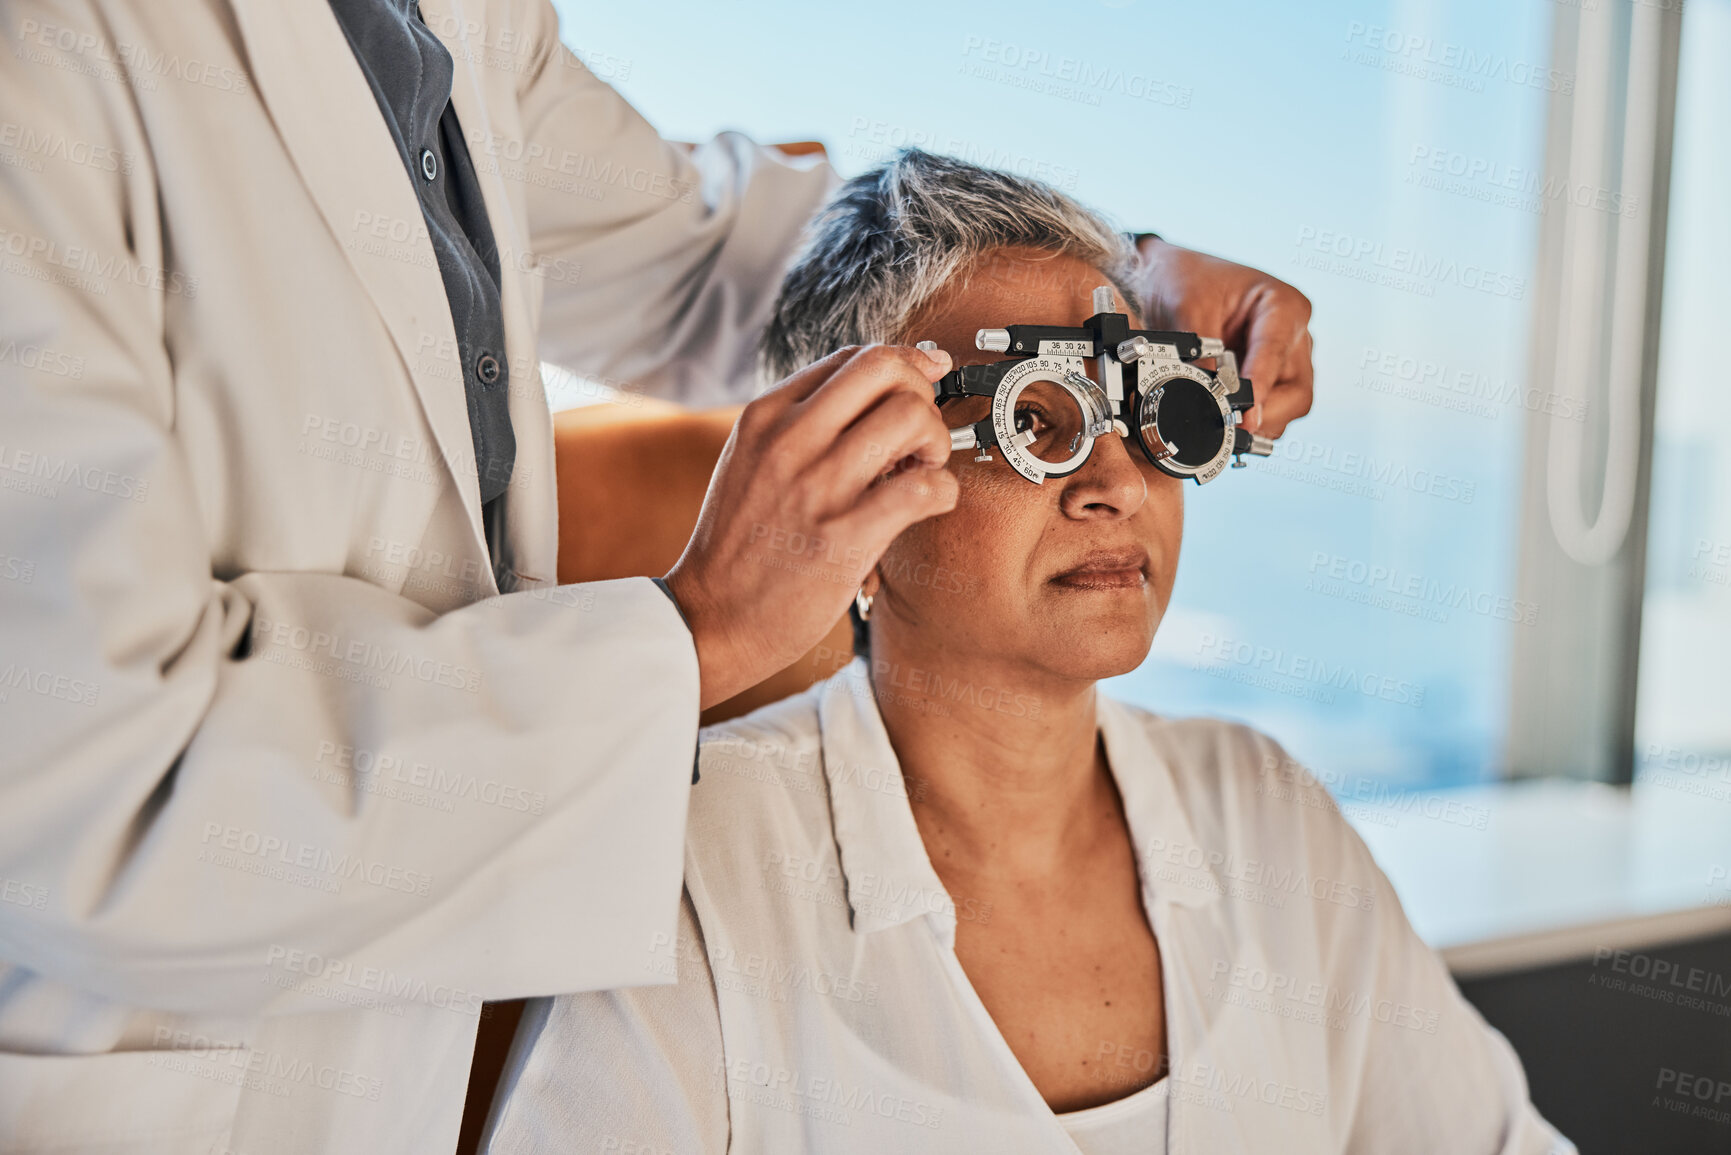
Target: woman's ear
(872, 584)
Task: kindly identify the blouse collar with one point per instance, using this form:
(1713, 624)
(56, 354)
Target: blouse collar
(889, 876)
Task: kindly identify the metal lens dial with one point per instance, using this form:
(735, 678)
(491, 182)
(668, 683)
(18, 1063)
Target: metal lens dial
(1044, 423)
(1047, 415)
(1184, 424)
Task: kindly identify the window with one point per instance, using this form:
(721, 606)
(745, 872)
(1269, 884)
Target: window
(1683, 723)
(1355, 595)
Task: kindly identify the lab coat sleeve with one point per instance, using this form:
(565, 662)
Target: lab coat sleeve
(272, 790)
(626, 1070)
(1433, 1068)
(667, 262)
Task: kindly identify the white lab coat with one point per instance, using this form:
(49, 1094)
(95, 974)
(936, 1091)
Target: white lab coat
(286, 791)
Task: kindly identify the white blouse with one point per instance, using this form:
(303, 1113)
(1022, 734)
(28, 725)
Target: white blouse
(820, 1006)
(1134, 1125)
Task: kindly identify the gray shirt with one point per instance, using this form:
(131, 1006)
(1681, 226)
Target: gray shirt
(410, 73)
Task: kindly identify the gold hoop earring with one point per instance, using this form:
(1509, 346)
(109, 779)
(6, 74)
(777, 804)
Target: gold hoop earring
(862, 604)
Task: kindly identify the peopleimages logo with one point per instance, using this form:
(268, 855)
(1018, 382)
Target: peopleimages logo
(276, 641)
(135, 64)
(1458, 65)
(1398, 266)
(800, 1092)
(1275, 668)
(1380, 578)
(1402, 374)
(257, 1069)
(49, 684)
(45, 475)
(37, 144)
(888, 676)
(226, 845)
(1510, 186)
(92, 270)
(1065, 77)
(1710, 561)
(1219, 865)
(1214, 1086)
(393, 775)
(1281, 986)
(1364, 474)
(321, 975)
(876, 140)
(1699, 1096)
(1662, 980)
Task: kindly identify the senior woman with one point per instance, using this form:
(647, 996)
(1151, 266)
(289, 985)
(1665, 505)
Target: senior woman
(956, 900)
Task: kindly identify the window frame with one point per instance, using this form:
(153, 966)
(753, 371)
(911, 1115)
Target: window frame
(1572, 700)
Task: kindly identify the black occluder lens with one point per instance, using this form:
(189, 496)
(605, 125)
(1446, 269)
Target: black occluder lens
(1189, 418)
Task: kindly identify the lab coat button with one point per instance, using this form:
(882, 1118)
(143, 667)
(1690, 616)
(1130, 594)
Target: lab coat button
(429, 164)
(487, 369)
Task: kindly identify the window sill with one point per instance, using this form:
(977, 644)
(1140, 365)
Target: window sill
(1529, 874)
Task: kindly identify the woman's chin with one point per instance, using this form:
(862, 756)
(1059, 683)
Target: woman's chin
(1125, 663)
(1105, 655)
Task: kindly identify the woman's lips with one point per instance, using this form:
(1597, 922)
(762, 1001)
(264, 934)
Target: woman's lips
(1107, 570)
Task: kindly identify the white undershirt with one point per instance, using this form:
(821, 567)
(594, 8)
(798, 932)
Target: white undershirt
(1133, 1125)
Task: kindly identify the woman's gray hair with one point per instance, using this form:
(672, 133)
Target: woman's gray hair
(890, 240)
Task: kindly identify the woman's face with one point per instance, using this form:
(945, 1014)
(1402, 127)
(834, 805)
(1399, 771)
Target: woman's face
(1068, 578)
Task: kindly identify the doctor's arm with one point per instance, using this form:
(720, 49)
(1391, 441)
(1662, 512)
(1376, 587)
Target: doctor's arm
(218, 788)
(237, 788)
(660, 263)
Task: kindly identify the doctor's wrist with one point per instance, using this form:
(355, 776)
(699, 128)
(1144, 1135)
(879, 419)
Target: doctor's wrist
(721, 665)
(661, 584)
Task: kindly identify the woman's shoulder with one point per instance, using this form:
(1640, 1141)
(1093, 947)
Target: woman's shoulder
(762, 865)
(760, 776)
(1240, 788)
(1205, 752)
(764, 735)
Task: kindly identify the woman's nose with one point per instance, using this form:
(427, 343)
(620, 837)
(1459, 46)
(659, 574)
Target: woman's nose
(1109, 485)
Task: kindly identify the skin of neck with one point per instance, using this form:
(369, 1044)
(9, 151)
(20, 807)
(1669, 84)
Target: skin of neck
(1014, 750)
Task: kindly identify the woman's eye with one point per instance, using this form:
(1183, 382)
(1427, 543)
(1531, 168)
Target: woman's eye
(1031, 417)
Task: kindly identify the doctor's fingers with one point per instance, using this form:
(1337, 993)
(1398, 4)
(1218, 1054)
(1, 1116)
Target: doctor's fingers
(1290, 392)
(900, 430)
(801, 385)
(1277, 356)
(889, 507)
(864, 379)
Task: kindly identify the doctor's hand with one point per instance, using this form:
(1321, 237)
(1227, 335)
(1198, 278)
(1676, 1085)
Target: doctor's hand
(1264, 320)
(819, 475)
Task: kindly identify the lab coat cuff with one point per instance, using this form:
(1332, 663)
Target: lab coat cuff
(603, 870)
(661, 584)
